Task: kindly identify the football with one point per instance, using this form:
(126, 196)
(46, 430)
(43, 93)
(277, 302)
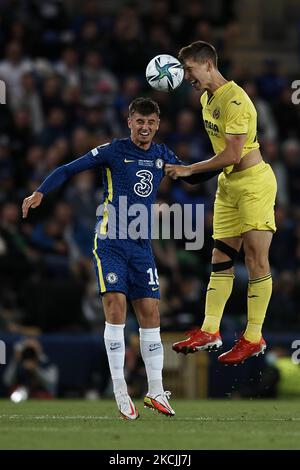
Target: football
(164, 72)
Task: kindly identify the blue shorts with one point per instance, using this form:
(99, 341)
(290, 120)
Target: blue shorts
(126, 266)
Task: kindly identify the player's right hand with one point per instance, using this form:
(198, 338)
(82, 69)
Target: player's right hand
(32, 201)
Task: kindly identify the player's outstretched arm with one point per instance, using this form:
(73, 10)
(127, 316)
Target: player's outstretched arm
(199, 178)
(32, 201)
(178, 171)
(231, 155)
(96, 157)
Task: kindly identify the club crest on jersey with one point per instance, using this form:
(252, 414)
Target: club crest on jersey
(112, 278)
(216, 113)
(159, 163)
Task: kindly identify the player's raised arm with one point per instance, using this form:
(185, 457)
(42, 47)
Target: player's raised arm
(96, 157)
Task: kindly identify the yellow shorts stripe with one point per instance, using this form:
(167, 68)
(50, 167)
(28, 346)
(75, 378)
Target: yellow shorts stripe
(99, 267)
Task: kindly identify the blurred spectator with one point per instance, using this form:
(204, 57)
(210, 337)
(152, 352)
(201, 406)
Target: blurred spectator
(12, 68)
(286, 114)
(271, 83)
(30, 374)
(266, 127)
(283, 244)
(270, 152)
(18, 258)
(291, 155)
(127, 44)
(30, 100)
(99, 85)
(68, 67)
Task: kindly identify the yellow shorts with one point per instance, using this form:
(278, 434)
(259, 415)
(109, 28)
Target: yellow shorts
(245, 201)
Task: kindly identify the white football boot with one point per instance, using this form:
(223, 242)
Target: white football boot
(126, 407)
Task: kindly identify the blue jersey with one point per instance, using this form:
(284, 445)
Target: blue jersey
(133, 174)
(127, 171)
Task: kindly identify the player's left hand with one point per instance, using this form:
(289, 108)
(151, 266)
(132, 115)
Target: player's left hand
(177, 171)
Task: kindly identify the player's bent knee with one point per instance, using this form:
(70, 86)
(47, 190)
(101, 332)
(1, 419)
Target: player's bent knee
(230, 252)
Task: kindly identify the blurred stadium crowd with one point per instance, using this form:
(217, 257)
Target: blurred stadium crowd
(70, 78)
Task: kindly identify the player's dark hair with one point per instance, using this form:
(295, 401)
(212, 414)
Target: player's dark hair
(199, 51)
(144, 106)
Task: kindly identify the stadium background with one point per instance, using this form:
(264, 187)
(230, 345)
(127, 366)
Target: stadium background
(77, 65)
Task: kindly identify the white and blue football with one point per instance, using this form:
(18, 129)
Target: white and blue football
(164, 72)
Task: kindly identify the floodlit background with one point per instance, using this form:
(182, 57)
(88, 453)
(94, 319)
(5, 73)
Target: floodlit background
(71, 68)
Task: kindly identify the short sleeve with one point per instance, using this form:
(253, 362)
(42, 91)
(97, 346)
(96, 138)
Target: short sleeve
(237, 117)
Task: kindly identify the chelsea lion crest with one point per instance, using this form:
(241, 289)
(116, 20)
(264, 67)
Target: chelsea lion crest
(159, 163)
(112, 278)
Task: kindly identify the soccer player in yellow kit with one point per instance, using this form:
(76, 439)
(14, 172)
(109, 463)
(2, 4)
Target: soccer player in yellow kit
(244, 204)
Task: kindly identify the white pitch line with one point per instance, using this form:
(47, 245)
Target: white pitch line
(101, 418)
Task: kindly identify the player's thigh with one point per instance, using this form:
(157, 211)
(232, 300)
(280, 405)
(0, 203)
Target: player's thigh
(143, 275)
(146, 311)
(226, 222)
(257, 200)
(110, 262)
(257, 243)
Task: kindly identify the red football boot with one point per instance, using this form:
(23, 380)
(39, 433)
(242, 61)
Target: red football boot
(242, 350)
(198, 340)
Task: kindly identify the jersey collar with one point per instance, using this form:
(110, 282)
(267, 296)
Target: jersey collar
(139, 148)
(223, 88)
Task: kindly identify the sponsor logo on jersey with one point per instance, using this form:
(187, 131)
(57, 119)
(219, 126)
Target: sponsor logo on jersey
(112, 278)
(144, 187)
(145, 163)
(211, 126)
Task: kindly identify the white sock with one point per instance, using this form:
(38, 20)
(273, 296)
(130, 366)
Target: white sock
(153, 356)
(115, 349)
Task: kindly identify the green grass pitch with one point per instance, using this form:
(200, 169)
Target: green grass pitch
(202, 424)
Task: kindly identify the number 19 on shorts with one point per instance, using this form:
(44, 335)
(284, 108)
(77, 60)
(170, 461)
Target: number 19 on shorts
(153, 277)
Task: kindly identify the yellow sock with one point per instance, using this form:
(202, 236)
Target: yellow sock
(259, 294)
(218, 292)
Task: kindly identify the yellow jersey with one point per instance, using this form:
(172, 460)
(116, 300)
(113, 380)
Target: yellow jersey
(229, 110)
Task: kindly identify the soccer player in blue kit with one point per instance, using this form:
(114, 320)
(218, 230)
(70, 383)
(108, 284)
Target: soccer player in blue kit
(125, 267)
